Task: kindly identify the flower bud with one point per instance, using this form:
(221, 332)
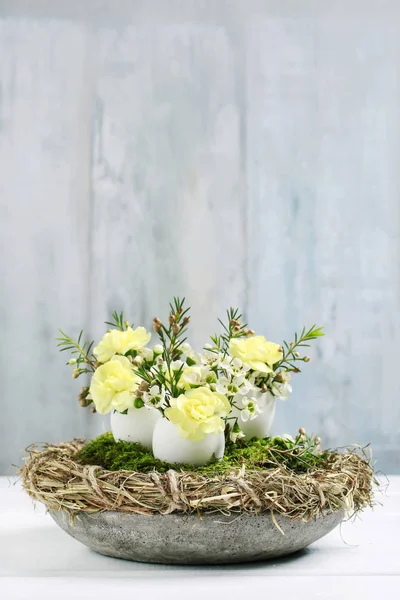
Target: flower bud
(306, 359)
(138, 403)
(302, 431)
(138, 360)
(236, 428)
(75, 373)
(146, 354)
(297, 354)
(175, 328)
(72, 361)
(144, 386)
(158, 349)
(318, 440)
(171, 319)
(97, 364)
(186, 321)
(126, 323)
(249, 332)
(93, 409)
(157, 324)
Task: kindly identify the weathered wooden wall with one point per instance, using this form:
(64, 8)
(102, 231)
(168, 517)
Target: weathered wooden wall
(234, 152)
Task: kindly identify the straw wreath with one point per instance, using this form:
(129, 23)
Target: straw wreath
(53, 476)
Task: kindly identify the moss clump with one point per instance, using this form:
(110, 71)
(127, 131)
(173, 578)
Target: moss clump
(297, 455)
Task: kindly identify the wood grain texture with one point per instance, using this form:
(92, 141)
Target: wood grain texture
(168, 192)
(235, 153)
(45, 176)
(323, 217)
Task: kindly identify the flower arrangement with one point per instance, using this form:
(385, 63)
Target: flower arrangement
(190, 440)
(179, 402)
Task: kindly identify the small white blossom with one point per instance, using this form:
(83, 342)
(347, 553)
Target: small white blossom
(250, 409)
(222, 385)
(196, 375)
(189, 352)
(185, 348)
(176, 365)
(155, 397)
(244, 385)
(282, 389)
(236, 363)
(208, 353)
(225, 363)
(146, 353)
(236, 435)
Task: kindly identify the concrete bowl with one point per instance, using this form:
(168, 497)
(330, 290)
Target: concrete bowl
(190, 540)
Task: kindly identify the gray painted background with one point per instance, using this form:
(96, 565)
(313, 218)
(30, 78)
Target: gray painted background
(234, 152)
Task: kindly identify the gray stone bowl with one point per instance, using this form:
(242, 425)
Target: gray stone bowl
(189, 540)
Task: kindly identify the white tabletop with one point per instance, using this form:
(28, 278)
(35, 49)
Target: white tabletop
(359, 560)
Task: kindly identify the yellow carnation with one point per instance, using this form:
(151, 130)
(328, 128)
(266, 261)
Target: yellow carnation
(198, 412)
(120, 342)
(113, 384)
(256, 352)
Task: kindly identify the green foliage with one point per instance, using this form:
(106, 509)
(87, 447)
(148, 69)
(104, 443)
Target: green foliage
(298, 455)
(81, 351)
(231, 329)
(171, 337)
(291, 354)
(118, 321)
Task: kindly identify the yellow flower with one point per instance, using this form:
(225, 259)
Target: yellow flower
(198, 412)
(256, 352)
(119, 342)
(113, 384)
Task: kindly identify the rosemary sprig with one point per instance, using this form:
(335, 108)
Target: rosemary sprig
(233, 328)
(80, 351)
(118, 321)
(172, 337)
(291, 354)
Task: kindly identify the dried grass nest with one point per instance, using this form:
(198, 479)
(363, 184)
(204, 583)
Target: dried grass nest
(52, 475)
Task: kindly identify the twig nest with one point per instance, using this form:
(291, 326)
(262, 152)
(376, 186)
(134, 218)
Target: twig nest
(343, 481)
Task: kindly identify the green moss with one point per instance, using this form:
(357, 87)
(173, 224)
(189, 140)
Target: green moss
(298, 455)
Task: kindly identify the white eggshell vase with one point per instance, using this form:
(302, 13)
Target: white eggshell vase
(169, 446)
(135, 426)
(260, 426)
